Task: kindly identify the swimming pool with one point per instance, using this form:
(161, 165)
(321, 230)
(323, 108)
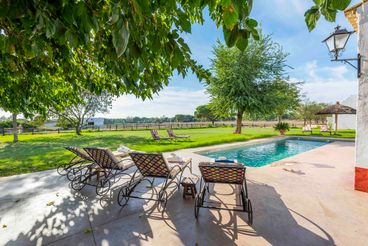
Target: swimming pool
(265, 153)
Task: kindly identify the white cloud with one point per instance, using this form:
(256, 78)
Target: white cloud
(169, 102)
(328, 83)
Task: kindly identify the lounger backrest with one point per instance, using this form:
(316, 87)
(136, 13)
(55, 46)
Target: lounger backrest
(150, 164)
(103, 157)
(154, 134)
(324, 128)
(79, 152)
(171, 133)
(227, 173)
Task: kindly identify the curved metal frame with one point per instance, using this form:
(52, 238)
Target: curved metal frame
(159, 195)
(87, 172)
(245, 201)
(78, 161)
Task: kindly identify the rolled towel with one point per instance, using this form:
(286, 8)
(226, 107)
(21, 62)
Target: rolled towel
(174, 158)
(124, 149)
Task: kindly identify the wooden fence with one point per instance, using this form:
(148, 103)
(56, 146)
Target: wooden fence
(148, 126)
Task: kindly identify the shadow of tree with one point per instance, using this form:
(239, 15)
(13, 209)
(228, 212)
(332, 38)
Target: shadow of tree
(89, 220)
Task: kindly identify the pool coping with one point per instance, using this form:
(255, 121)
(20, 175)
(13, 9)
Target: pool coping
(197, 153)
(225, 146)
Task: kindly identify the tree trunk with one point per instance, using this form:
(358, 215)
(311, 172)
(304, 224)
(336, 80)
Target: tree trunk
(15, 129)
(279, 118)
(239, 120)
(78, 129)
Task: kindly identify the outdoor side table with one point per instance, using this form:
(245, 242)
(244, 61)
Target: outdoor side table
(189, 184)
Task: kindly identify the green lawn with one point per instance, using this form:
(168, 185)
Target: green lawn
(45, 151)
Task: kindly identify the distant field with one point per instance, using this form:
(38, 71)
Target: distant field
(44, 151)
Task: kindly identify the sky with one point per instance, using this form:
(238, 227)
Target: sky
(324, 81)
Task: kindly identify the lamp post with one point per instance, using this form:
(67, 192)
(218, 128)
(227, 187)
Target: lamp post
(336, 43)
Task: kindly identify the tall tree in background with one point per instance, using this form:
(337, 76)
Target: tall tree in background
(307, 112)
(286, 97)
(205, 112)
(243, 80)
(86, 107)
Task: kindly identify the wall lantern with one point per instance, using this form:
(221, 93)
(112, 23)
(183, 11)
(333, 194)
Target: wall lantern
(336, 43)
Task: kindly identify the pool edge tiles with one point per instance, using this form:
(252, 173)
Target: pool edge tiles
(266, 152)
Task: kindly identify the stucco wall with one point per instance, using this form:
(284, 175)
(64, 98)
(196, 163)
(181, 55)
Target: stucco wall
(362, 110)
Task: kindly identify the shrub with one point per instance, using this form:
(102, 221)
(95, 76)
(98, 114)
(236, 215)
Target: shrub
(282, 127)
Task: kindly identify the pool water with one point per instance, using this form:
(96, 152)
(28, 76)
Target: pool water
(262, 154)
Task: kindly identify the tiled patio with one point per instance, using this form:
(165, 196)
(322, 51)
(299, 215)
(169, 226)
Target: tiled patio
(307, 199)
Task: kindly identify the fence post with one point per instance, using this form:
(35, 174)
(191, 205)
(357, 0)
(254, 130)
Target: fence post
(32, 130)
(3, 131)
(116, 127)
(58, 130)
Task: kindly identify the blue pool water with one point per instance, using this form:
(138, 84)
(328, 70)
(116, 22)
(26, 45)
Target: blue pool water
(266, 153)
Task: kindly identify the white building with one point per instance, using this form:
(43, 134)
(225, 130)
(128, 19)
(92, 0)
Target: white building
(346, 121)
(95, 121)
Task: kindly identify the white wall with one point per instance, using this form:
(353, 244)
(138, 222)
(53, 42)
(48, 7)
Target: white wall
(96, 121)
(346, 121)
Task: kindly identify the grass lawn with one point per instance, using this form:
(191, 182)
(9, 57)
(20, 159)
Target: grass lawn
(44, 151)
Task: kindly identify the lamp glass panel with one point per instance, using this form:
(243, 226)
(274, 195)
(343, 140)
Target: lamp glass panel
(330, 44)
(340, 40)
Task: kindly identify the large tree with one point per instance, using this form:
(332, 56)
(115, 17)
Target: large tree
(138, 43)
(243, 80)
(86, 107)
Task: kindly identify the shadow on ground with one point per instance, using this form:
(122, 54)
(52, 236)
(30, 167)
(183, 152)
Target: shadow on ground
(64, 217)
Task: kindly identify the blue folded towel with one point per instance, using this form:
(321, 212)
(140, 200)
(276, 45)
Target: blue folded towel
(225, 161)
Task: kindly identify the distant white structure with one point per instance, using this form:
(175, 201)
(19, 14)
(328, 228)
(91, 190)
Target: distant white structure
(96, 121)
(346, 121)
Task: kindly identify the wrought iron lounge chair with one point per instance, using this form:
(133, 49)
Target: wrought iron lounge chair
(173, 135)
(156, 136)
(223, 173)
(106, 168)
(80, 160)
(151, 166)
(325, 128)
(307, 128)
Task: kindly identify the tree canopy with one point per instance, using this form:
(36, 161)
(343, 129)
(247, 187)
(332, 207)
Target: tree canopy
(205, 112)
(78, 113)
(243, 81)
(127, 46)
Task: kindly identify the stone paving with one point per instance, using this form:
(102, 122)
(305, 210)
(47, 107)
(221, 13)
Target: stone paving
(307, 199)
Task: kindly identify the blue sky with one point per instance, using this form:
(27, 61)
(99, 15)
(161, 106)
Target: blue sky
(325, 81)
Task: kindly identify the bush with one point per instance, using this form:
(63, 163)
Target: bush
(282, 126)
(9, 124)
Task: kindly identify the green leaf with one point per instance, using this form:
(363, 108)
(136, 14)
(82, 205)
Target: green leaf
(185, 23)
(252, 23)
(230, 17)
(318, 2)
(311, 17)
(231, 36)
(115, 14)
(242, 42)
(339, 4)
(330, 15)
(50, 29)
(120, 37)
